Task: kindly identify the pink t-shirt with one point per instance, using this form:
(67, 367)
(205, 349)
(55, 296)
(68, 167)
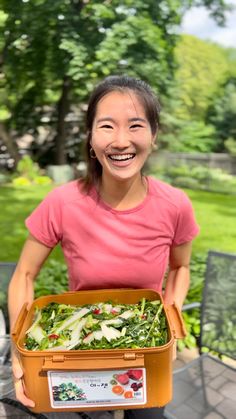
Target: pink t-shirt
(106, 248)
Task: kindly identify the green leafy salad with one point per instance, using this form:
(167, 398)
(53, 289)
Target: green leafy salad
(98, 326)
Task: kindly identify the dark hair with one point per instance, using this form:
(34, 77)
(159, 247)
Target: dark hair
(120, 84)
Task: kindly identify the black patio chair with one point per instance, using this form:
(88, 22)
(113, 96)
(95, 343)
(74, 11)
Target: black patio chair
(206, 386)
(6, 272)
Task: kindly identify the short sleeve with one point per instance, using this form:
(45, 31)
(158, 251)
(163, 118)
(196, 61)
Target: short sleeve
(186, 226)
(45, 222)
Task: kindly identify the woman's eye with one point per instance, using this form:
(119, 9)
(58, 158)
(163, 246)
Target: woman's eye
(136, 126)
(106, 126)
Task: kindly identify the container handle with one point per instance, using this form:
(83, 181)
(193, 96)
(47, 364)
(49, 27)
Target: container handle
(60, 362)
(176, 321)
(19, 322)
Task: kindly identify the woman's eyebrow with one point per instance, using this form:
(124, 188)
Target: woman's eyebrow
(137, 120)
(106, 118)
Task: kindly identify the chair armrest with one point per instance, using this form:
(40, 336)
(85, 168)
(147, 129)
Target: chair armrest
(190, 306)
(2, 324)
(5, 343)
(5, 349)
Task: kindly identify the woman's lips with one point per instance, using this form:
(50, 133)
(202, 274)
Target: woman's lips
(121, 157)
(121, 160)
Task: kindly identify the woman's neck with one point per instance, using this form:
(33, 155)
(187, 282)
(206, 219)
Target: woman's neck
(123, 195)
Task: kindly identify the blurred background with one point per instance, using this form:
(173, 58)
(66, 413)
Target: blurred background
(53, 53)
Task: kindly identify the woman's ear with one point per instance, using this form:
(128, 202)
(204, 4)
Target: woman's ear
(154, 146)
(89, 138)
(153, 143)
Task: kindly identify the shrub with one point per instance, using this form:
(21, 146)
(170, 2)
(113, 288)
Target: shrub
(42, 180)
(192, 323)
(185, 182)
(3, 178)
(27, 168)
(52, 279)
(192, 317)
(230, 145)
(197, 177)
(29, 173)
(197, 270)
(21, 181)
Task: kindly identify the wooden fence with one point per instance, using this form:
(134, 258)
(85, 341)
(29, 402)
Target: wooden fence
(211, 160)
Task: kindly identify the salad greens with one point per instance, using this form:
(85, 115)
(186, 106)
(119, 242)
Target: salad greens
(98, 326)
(65, 392)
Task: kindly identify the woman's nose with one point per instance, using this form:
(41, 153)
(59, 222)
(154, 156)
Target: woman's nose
(121, 139)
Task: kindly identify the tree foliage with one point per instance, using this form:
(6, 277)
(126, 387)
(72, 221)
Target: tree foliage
(202, 67)
(196, 116)
(53, 52)
(222, 114)
(222, 111)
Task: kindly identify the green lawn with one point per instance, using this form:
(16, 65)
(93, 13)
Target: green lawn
(16, 204)
(216, 215)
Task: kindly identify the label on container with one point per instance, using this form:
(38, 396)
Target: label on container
(97, 388)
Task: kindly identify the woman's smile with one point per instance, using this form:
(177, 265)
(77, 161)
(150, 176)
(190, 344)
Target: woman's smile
(121, 160)
(121, 135)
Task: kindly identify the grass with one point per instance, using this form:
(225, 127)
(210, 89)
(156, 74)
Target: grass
(215, 213)
(16, 204)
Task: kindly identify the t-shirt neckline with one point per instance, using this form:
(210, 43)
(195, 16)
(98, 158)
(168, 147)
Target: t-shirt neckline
(94, 194)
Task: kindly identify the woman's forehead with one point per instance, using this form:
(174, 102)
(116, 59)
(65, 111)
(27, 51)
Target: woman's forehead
(118, 102)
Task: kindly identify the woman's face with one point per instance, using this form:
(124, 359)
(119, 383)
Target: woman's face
(121, 135)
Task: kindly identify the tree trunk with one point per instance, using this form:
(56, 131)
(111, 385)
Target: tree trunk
(79, 4)
(10, 144)
(62, 110)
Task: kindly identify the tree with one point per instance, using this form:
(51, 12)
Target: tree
(203, 69)
(222, 111)
(54, 52)
(222, 114)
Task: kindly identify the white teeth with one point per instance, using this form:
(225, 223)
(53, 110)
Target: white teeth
(121, 156)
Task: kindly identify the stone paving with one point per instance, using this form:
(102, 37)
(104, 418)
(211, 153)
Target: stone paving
(194, 398)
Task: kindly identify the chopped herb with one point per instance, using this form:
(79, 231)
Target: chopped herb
(98, 326)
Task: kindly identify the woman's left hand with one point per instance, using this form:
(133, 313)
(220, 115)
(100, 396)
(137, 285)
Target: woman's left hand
(174, 350)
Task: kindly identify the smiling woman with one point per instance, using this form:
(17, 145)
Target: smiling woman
(121, 140)
(142, 114)
(122, 124)
(117, 228)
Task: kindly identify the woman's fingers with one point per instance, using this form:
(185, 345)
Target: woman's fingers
(20, 393)
(18, 382)
(16, 367)
(174, 352)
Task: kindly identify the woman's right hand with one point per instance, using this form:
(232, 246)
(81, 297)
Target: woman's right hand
(32, 257)
(18, 382)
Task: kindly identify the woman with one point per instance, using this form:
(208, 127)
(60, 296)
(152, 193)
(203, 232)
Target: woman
(117, 228)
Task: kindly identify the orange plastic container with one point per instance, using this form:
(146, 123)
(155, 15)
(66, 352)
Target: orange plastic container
(45, 371)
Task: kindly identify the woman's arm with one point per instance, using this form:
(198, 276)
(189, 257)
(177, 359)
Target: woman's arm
(21, 290)
(21, 287)
(178, 279)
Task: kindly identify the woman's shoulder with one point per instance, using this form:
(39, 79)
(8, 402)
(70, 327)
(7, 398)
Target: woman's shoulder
(67, 192)
(166, 191)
